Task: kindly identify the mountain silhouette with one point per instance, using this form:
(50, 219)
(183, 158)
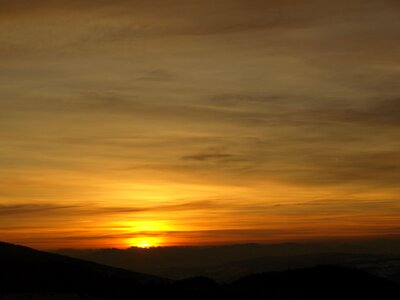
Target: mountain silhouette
(322, 282)
(231, 262)
(382, 265)
(25, 270)
(35, 275)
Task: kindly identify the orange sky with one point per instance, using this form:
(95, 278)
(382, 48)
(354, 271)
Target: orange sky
(198, 122)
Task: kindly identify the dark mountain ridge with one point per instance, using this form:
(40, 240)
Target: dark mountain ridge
(35, 275)
(231, 262)
(30, 271)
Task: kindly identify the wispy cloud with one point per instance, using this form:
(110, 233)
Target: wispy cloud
(95, 210)
(177, 110)
(9, 210)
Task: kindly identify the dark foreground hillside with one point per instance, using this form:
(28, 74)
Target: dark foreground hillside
(30, 274)
(25, 270)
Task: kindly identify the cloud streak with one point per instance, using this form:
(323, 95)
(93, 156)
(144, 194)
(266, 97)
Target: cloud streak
(197, 114)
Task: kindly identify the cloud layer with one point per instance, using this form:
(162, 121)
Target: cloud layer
(169, 111)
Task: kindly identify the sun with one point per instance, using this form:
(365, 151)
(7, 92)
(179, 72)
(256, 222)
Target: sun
(145, 233)
(145, 242)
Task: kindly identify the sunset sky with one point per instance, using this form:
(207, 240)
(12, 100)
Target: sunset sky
(188, 122)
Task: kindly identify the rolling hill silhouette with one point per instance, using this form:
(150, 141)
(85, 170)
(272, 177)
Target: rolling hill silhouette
(30, 274)
(384, 266)
(25, 270)
(322, 282)
(231, 262)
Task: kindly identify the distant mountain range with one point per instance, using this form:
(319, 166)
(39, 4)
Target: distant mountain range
(231, 262)
(30, 274)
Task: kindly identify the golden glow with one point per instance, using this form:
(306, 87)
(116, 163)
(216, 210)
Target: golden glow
(143, 226)
(151, 226)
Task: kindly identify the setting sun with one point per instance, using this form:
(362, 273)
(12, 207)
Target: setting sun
(146, 233)
(144, 242)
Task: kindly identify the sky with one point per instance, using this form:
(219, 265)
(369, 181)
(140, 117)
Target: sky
(185, 122)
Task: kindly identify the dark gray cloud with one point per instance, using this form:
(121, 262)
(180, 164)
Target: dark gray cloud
(157, 75)
(210, 156)
(377, 113)
(241, 99)
(11, 210)
(381, 168)
(21, 209)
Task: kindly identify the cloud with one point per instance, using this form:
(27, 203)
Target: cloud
(340, 208)
(96, 210)
(197, 99)
(240, 99)
(209, 156)
(157, 75)
(18, 209)
(120, 22)
(374, 169)
(377, 113)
